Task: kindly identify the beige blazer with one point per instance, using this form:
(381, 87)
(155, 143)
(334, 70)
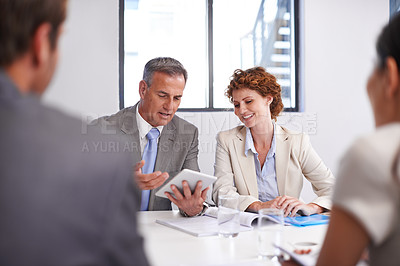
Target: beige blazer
(294, 159)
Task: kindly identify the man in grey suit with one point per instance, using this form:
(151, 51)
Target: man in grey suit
(160, 91)
(60, 204)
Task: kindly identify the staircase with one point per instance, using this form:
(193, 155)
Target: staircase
(271, 43)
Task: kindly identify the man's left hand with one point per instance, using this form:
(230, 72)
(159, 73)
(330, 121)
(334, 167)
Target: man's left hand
(191, 204)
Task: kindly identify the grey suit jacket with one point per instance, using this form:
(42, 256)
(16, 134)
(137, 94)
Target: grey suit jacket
(61, 201)
(177, 146)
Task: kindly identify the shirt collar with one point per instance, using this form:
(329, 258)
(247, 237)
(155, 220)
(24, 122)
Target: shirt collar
(143, 126)
(249, 143)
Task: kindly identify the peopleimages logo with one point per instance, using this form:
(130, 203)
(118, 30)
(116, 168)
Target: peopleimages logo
(208, 124)
(300, 122)
(110, 146)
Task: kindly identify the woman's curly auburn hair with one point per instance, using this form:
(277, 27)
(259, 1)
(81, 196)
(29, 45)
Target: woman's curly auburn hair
(259, 80)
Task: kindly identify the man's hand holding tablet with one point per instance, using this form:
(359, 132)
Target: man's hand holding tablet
(179, 191)
(190, 204)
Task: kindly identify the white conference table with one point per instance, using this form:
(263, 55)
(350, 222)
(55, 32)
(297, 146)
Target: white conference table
(166, 246)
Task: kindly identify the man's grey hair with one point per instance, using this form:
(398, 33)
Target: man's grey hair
(166, 65)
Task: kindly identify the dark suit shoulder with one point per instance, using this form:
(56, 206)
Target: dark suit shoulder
(119, 118)
(182, 123)
(48, 131)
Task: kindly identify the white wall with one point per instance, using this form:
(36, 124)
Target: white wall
(86, 81)
(339, 51)
(340, 41)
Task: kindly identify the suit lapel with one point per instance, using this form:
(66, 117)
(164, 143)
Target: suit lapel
(129, 127)
(247, 164)
(281, 158)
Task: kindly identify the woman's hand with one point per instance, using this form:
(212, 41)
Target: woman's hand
(291, 206)
(258, 205)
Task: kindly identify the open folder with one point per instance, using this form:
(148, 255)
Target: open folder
(207, 225)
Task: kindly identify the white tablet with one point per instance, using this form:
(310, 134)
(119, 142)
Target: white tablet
(191, 177)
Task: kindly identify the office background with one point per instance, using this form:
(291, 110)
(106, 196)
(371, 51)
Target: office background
(339, 38)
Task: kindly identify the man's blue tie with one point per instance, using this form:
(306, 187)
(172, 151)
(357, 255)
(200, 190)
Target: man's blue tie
(149, 157)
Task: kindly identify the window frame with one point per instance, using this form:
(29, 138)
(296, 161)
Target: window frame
(298, 60)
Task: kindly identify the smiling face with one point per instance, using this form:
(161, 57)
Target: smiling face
(251, 108)
(159, 102)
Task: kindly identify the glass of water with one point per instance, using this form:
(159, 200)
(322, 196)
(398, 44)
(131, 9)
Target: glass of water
(228, 215)
(269, 232)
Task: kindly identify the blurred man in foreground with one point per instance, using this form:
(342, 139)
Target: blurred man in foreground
(60, 204)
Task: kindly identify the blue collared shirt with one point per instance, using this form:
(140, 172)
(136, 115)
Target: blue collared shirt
(266, 177)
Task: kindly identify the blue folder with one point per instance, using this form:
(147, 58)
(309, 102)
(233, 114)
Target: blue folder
(314, 219)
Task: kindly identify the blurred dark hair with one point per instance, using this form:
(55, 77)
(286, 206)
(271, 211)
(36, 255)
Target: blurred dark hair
(259, 80)
(166, 65)
(19, 19)
(388, 43)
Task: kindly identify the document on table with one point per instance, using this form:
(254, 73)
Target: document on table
(245, 218)
(207, 225)
(250, 218)
(196, 226)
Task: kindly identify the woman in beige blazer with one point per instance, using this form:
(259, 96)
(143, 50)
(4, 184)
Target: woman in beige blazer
(261, 161)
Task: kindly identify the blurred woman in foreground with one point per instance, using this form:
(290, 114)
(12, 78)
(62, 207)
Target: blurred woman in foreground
(366, 202)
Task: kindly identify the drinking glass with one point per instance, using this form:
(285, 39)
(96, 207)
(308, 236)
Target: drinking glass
(228, 215)
(269, 232)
